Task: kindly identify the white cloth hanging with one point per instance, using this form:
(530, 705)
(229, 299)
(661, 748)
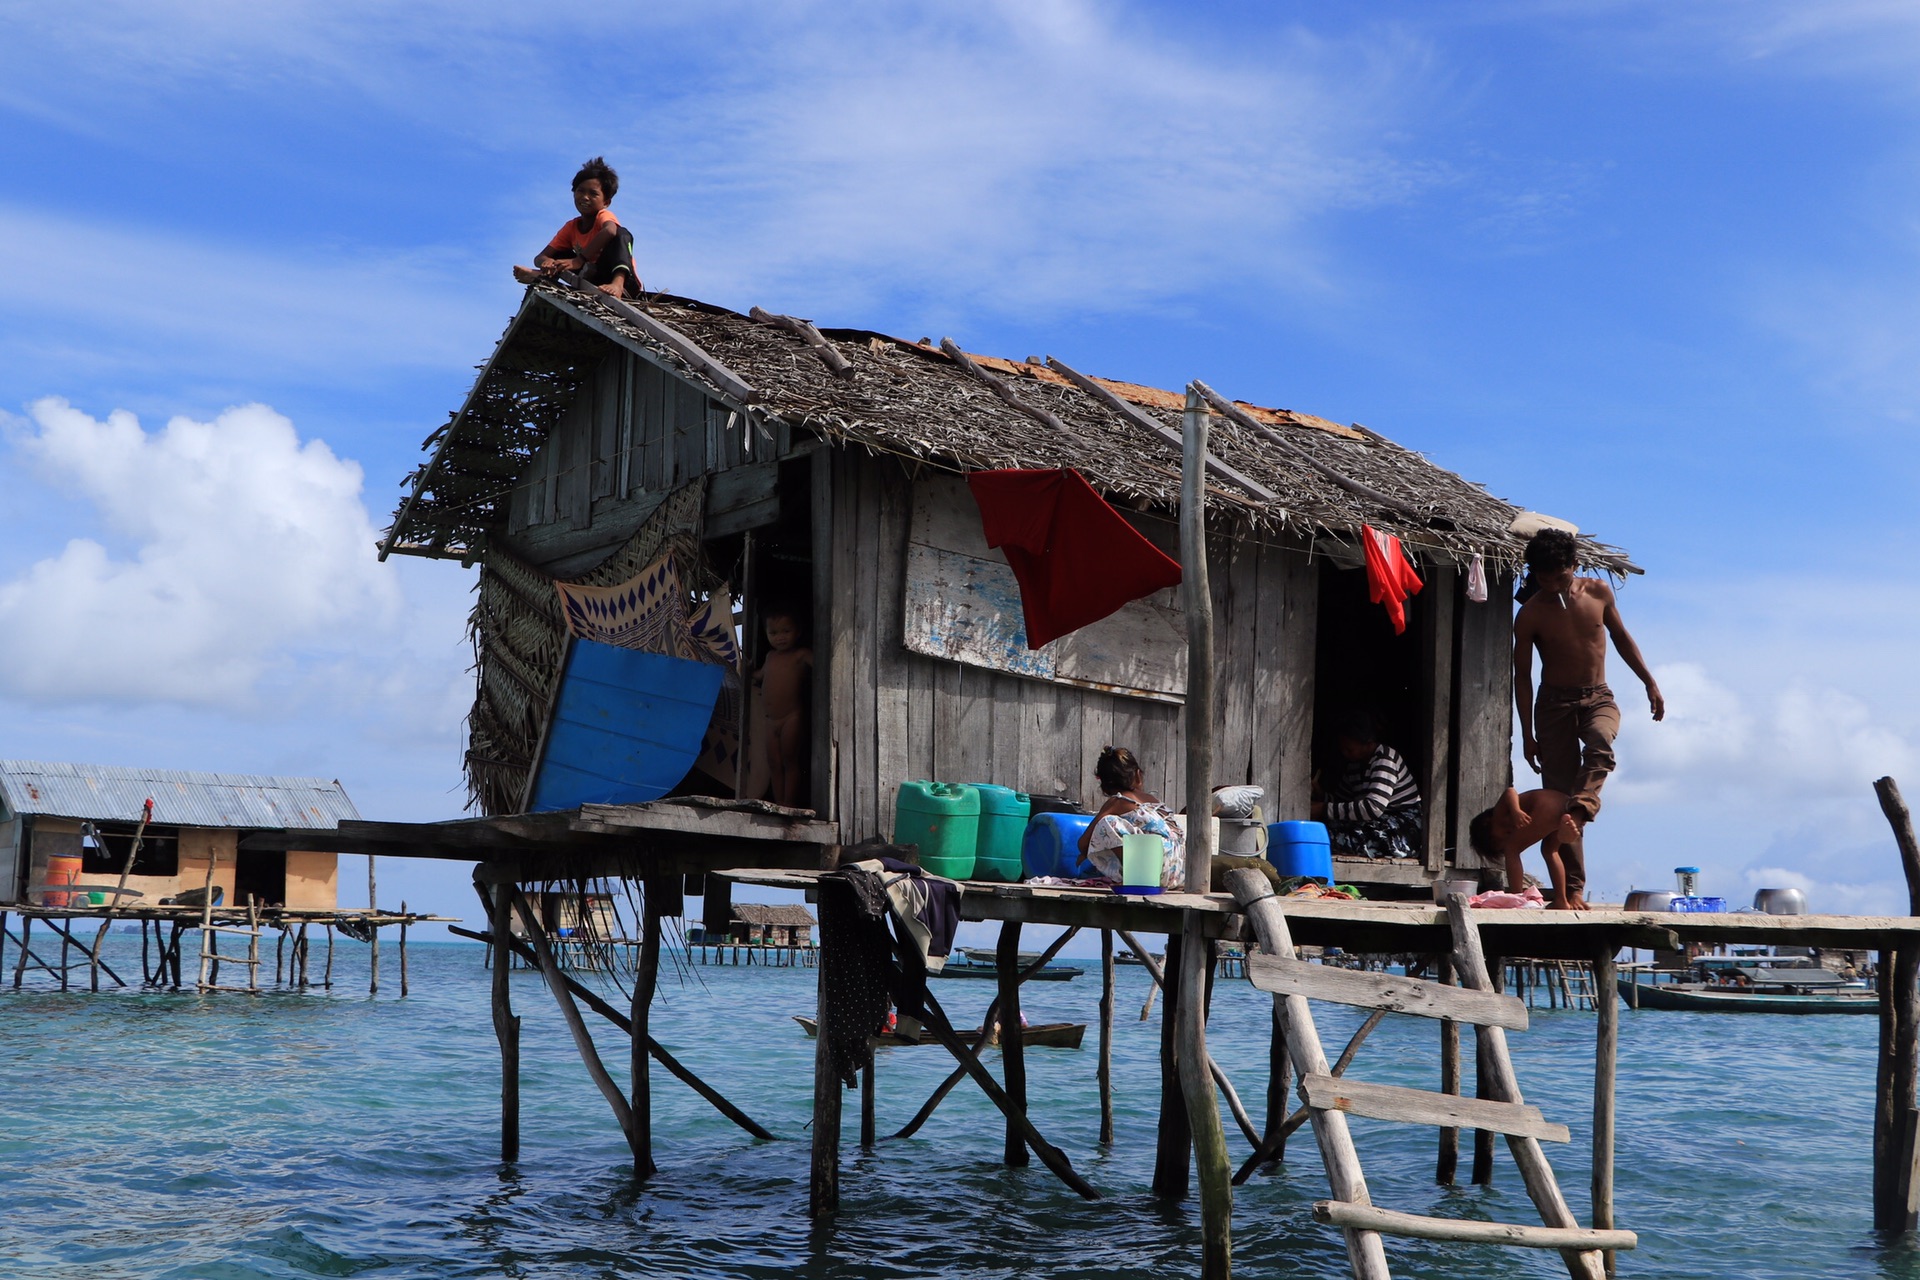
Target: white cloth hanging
(1477, 580)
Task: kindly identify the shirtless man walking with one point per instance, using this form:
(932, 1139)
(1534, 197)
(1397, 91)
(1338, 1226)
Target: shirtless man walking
(1567, 734)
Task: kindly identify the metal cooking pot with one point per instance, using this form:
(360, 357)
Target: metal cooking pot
(1649, 900)
(1780, 902)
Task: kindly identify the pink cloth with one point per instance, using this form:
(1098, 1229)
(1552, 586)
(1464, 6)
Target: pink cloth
(1077, 559)
(1500, 898)
(1390, 575)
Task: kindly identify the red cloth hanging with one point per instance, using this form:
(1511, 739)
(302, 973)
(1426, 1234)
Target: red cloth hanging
(1390, 575)
(1076, 558)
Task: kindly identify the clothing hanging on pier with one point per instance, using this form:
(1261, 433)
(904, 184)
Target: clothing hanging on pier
(1391, 578)
(1077, 559)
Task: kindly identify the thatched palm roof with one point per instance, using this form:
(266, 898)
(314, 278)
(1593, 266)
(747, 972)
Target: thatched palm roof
(914, 400)
(765, 914)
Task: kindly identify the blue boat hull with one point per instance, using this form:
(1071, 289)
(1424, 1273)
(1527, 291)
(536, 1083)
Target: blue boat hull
(626, 728)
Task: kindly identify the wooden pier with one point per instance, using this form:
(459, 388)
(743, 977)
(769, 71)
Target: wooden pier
(180, 946)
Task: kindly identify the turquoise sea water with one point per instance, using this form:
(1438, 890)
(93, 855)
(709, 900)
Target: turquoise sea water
(329, 1134)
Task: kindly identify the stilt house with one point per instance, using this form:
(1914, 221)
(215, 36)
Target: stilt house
(820, 473)
(92, 812)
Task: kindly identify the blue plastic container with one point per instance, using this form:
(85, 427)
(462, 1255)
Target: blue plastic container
(1052, 845)
(1300, 849)
(1698, 904)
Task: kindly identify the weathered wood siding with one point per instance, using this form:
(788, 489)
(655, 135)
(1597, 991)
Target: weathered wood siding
(633, 434)
(895, 715)
(1483, 701)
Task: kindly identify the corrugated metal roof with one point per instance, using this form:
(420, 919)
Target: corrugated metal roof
(180, 799)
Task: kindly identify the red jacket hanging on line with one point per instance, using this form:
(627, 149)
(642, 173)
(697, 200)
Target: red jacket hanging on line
(1390, 575)
(1077, 559)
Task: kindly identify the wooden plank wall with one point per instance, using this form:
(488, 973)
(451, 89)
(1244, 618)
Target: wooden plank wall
(897, 715)
(1483, 702)
(633, 433)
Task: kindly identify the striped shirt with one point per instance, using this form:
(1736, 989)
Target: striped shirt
(1370, 787)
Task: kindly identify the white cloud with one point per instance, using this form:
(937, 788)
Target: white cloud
(243, 546)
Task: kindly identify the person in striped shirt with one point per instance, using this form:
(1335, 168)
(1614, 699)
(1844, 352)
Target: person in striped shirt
(1373, 809)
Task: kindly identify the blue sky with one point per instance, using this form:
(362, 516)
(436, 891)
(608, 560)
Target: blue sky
(1654, 268)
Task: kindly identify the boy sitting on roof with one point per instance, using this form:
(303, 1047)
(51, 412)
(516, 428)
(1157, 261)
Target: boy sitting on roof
(1568, 619)
(594, 245)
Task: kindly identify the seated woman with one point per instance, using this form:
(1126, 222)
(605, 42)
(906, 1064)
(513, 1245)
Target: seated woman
(1373, 808)
(1515, 822)
(1130, 810)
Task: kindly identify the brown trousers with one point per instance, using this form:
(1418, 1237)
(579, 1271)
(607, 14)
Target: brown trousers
(1575, 728)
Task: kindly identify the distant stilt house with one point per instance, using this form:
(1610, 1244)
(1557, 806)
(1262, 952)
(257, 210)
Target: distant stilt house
(83, 819)
(773, 926)
(822, 474)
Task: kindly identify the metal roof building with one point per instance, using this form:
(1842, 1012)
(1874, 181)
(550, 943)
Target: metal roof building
(180, 798)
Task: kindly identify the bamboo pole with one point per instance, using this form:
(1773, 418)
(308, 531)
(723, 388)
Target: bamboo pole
(1365, 1252)
(644, 981)
(1103, 1072)
(1491, 1046)
(1606, 1055)
(1013, 1058)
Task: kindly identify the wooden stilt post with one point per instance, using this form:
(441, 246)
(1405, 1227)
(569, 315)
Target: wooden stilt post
(326, 974)
(823, 1183)
(403, 948)
(1606, 1053)
(1172, 1159)
(1483, 1138)
(1279, 1088)
(1103, 1072)
(1449, 1160)
(644, 981)
(26, 939)
(3, 943)
(866, 1107)
(279, 954)
(576, 1025)
(373, 934)
(506, 1026)
(1012, 1043)
(1896, 1200)
(1196, 962)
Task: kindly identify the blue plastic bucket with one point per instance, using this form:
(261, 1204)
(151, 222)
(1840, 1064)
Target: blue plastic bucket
(1300, 849)
(1052, 845)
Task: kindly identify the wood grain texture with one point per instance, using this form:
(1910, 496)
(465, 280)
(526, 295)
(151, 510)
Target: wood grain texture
(1419, 1106)
(1368, 1218)
(1367, 990)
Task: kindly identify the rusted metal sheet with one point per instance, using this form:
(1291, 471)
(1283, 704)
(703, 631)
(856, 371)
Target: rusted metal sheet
(963, 604)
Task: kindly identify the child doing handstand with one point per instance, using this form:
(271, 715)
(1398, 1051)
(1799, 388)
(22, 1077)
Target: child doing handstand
(1504, 832)
(594, 245)
(785, 682)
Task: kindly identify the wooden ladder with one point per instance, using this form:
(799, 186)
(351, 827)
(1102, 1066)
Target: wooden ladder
(1576, 983)
(1330, 1099)
(211, 959)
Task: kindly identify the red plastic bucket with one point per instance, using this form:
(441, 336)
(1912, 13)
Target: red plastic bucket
(62, 869)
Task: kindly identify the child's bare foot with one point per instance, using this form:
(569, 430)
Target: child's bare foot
(525, 275)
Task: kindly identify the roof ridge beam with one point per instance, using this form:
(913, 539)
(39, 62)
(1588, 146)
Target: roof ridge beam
(1005, 392)
(1246, 420)
(829, 355)
(1140, 418)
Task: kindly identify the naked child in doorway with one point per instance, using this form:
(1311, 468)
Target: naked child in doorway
(785, 679)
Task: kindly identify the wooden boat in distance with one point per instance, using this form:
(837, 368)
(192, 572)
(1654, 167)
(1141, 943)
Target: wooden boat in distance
(1722, 985)
(1057, 1035)
(1046, 973)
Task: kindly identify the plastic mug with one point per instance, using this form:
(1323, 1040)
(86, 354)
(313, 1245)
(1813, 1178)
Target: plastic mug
(1141, 857)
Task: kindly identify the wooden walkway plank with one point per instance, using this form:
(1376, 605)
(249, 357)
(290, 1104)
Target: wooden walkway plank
(1285, 976)
(1369, 1218)
(1419, 1106)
